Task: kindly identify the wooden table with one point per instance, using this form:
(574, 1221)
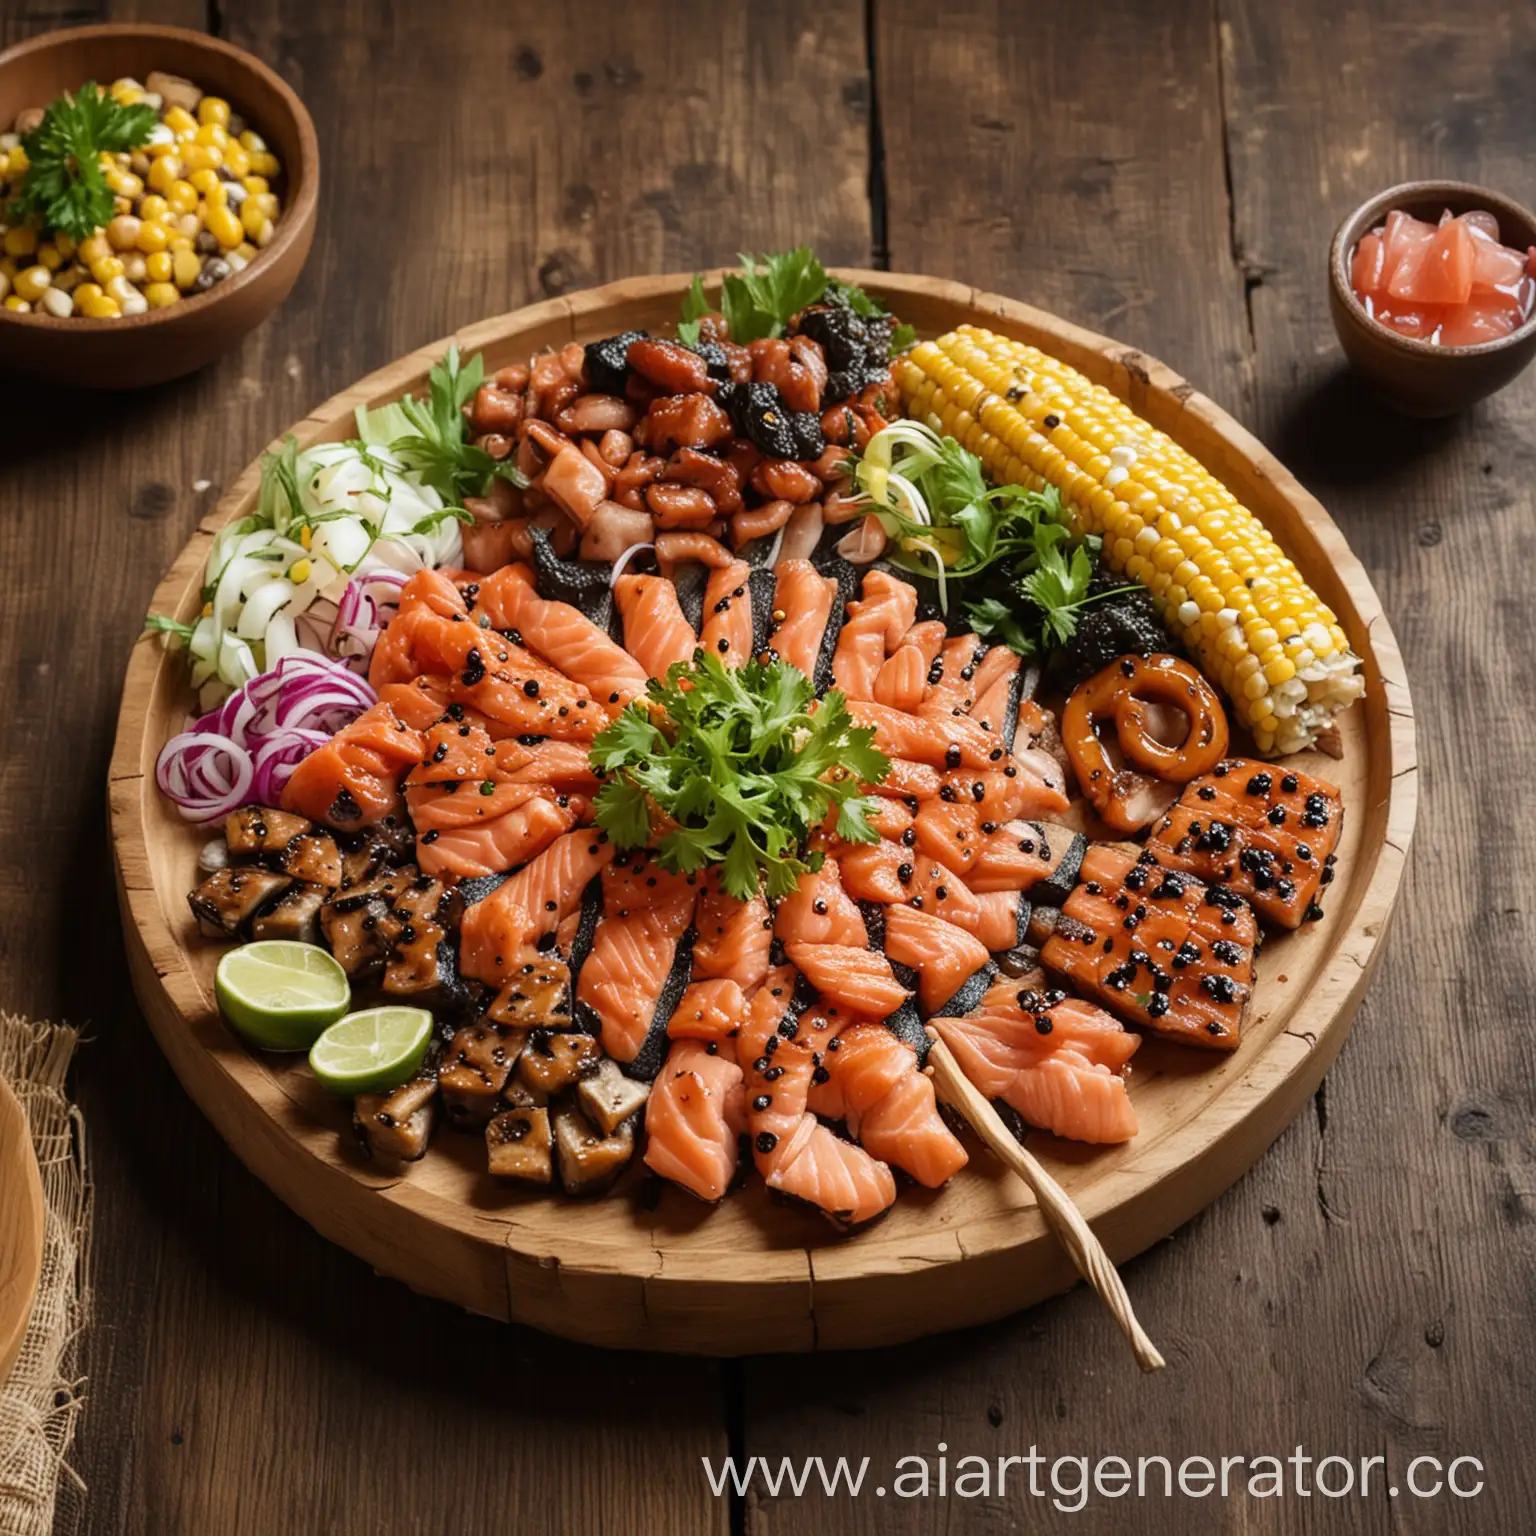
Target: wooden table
(1168, 174)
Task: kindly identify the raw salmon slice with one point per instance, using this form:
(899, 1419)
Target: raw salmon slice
(626, 979)
(491, 847)
(563, 635)
(531, 905)
(1032, 856)
(709, 1010)
(952, 688)
(903, 677)
(1004, 921)
(420, 702)
(733, 937)
(804, 598)
(694, 1120)
(1070, 1097)
(840, 1179)
(890, 1105)
(727, 631)
(655, 632)
(853, 978)
(944, 955)
(910, 781)
(561, 765)
(948, 741)
(1157, 947)
(874, 627)
(888, 873)
(820, 911)
(519, 696)
(1268, 834)
(353, 780)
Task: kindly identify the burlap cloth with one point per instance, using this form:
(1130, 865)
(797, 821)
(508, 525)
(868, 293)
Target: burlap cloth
(40, 1494)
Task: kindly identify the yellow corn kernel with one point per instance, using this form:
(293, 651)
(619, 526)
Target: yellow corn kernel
(203, 157)
(255, 185)
(50, 256)
(185, 266)
(237, 160)
(21, 241)
(205, 181)
(306, 536)
(98, 306)
(180, 121)
(153, 207)
(159, 295)
(207, 610)
(298, 572)
(245, 251)
(123, 232)
(32, 283)
(252, 142)
(18, 304)
(127, 93)
(87, 291)
(125, 184)
(182, 196)
(223, 225)
(266, 165)
(152, 238)
(213, 110)
(165, 173)
(158, 267)
(180, 242)
(64, 243)
(17, 162)
(9, 267)
(212, 134)
(106, 268)
(134, 268)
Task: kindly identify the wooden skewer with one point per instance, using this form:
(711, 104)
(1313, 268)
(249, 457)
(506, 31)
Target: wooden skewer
(1074, 1233)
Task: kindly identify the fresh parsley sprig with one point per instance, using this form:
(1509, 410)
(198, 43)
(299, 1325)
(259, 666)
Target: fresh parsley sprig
(761, 299)
(744, 763)
(64, 184)
(438, 446)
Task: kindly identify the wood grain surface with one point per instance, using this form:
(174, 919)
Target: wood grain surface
(1170, 174)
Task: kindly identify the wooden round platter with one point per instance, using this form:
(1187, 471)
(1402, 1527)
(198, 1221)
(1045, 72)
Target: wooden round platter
(21, 1228)
(637, 1271)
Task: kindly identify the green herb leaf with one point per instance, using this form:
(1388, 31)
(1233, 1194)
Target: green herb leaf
(159, 623)
(278, 501)
(745, 762)
(760, 300)
(64, 184)
(695, 307)
(903, 338)
(993, 619)
(1058, 586)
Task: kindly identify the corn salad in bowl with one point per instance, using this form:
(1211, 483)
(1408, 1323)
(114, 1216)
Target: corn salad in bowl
(132, 197)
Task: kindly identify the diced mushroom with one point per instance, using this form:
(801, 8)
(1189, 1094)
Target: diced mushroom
(609, 1098)
(229, 898)
(173, 90)
(397, 1125)
(613, 529)
(589, 1161)
(261, 829)
(575, 484)
(353, 922)
(538, 996)
(421, 962)
(475, 1069)
(312, 857)
(518, 1144)
(553, 1062)
(295, 916)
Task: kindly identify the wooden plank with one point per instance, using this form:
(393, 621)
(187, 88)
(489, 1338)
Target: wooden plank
(244, 1373)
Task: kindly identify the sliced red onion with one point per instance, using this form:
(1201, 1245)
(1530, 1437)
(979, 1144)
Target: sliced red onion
(243, 752)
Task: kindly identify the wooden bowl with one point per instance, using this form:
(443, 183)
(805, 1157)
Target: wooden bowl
(1418, 377)
(749, 1276)
(161, 344)
(21, 1228)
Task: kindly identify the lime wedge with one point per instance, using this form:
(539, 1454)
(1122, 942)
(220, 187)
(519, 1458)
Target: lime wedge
(280, 994)
(372, 1051)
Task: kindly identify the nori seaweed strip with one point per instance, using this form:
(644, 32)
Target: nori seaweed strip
(690, 581)
(583, 1015)
(584, 584)
(653, 1049)
(761, 585)
(478, 887)
(906, 1023)
(848, 582)
(1062, 880)
(969, 995)
(756, 551)
(1017, 1125)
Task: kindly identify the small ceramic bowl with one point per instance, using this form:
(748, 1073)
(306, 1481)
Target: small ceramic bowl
(162, 344)
(1418, 377)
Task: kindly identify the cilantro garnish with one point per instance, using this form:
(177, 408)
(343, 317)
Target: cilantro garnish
(64, 183)
(746, 764)
(439, 447)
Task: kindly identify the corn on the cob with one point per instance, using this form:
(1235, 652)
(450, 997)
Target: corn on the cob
(1221, 582)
